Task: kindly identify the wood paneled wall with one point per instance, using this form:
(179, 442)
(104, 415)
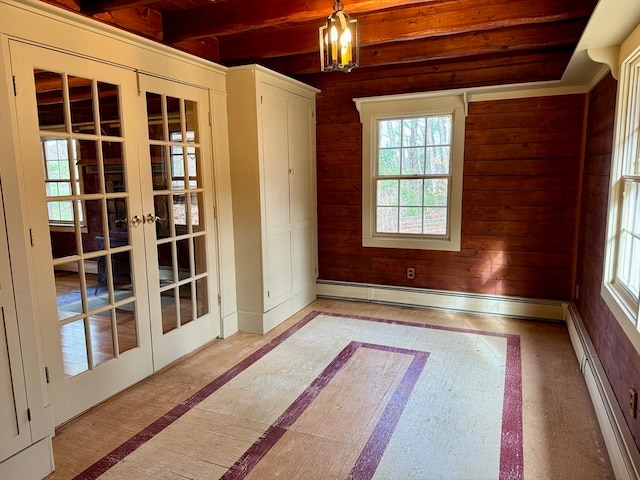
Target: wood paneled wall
(521, 170)
(620, 360)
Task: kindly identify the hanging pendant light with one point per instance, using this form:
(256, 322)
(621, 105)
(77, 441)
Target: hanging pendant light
(339, 40)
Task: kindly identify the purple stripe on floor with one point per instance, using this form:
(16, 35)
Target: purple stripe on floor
(511, 456)
(372, 453)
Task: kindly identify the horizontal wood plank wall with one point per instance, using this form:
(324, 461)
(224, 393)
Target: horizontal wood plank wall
(519, 202)
(619, 359)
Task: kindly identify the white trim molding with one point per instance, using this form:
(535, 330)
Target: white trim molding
(624, 456)
(518, 307)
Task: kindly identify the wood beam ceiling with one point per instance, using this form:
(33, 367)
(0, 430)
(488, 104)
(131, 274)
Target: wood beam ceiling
(284, 34)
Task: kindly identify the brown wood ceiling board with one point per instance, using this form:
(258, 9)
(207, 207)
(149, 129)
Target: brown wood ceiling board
(283, 35)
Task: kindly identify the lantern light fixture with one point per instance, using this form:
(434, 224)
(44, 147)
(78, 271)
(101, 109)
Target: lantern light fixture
(339, 40)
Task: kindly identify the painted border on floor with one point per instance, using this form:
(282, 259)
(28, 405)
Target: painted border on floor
(511, 448)
(371, 454)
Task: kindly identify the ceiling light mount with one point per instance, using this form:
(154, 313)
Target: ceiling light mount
(339, 41)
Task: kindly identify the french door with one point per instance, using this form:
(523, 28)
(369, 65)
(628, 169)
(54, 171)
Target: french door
(178, 206)
(119, 225)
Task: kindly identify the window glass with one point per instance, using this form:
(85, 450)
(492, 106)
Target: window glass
(413, 151)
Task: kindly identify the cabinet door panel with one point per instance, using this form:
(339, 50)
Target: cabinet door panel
(304, 265)
(275, 156)
(278, 280)
(14, 426)
(301, 162)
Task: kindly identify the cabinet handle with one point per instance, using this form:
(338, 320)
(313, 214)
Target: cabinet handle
(291, 171)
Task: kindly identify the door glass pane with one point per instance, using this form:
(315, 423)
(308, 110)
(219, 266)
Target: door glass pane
(197, 202)
(126, 326)
(101, 337)
(177, 167)
(183, 249)
(121, 273)
(165, 263)
(159, 167)
(202, 297)
(193, 163)
(101, 286)
(174, 121)
(63, 238)
(49, 99)
(169, 313)
(180, 214)
(88, 166)
(154, 116)
(109, 105)
(94, 210)
(81, 105)
(186, 304)
(68, 297)
(114, 172)
(74, 348)
(96, 298)
(163, 222)
(200, 254)
(117, 209)
(191, 121)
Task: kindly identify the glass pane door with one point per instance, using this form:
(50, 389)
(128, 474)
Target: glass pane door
(87, 204)
(80, 144)
(179, 161)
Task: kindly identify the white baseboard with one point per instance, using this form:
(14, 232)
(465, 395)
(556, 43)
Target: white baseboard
(34, 462)
(254, 322)
(624, 456)
(446, 300)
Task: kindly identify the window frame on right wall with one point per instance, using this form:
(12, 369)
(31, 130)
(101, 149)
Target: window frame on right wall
(621, 274)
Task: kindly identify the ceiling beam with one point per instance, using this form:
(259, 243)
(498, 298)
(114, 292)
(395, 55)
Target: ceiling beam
(408, 23)
(224, 18)
(93, 7)
(516, 39)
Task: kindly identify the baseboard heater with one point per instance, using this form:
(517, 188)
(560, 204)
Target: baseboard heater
(443, 299)
(622, 450)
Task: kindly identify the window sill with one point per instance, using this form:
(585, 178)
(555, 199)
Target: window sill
(622, 314)
(445, 244)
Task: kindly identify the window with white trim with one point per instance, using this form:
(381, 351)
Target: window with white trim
(621, 279)
(61, 172)
(413, 148)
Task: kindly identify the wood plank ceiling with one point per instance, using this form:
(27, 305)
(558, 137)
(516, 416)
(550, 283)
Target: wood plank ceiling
(395, 34)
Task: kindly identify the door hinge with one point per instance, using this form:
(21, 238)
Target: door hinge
(15, 87)
(138, 82)
(268, 294)
(31, 236)
(46, 374)
(215, 213)
(210, 119)
(219, 299)
(28, 414)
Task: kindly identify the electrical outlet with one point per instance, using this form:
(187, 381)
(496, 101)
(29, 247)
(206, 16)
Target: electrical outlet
(633, 403)
(411, 273)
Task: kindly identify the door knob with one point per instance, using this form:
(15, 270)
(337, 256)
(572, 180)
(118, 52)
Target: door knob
(135, 221)
(151, 218)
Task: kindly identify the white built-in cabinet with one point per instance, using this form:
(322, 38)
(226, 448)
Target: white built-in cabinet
(273, 176)
(25, 429)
